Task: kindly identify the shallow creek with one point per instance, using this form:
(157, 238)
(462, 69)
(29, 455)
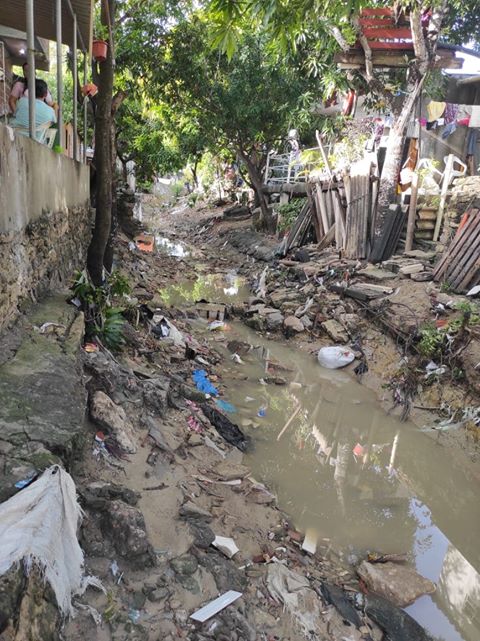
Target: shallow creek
(359, 477)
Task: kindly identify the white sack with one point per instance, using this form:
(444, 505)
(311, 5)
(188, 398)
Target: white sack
(335, 356)
(39, 526)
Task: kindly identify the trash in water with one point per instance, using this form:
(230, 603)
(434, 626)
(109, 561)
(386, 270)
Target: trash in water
(262, 412)
(26, 481)
(335, 356)
(200, 378)
(216, 324)
(225, 406)
(226, 545)
(215, 606)
(359, 450)
(228, 430)
(237, 359)
(163, 328)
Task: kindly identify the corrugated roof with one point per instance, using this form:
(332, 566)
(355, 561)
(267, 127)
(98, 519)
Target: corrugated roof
(13, 14)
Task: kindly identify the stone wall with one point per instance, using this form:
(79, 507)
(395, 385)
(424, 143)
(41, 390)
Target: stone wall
(465, 195)
(44, 220)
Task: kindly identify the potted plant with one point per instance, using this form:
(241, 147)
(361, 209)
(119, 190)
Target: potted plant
(99, 50)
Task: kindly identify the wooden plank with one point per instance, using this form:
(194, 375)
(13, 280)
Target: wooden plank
(400, 46)
(468, 256)
(317, 223)
(328, 238)
(454, 249)
(322, 207)
(376, 11)
(393, 33)
(296, 226)
(377, 22)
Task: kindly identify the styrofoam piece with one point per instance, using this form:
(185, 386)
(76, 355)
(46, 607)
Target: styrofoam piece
(226, 545)
(215, 606)
(310, 541)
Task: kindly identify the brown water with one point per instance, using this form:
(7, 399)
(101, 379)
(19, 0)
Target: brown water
(359, 477)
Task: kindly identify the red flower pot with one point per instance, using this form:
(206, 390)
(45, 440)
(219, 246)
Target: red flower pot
(99, 50)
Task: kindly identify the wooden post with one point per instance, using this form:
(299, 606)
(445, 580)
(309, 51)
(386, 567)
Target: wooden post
(412, 212)
(443, 196)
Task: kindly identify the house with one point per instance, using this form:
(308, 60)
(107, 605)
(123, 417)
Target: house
(44, 195)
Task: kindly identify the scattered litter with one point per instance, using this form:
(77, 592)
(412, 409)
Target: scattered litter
(90, 348)
(215, 606)
(200, 378)
(49, 328)
(237, 359)
(134, 615)
(359, 450)
(192, 405)
(194, 425)
(94, 613)
(288, 423)
(225, 406)
(474, 291)
(310, 541)
(226, 545)
(262, 412)
(335, 356)
(216, 325)
(114, 569)
(227, 430)
(26, 481)
(40, 525)
(145, 242)
(249, 399)
(261, 290)
(163, 328)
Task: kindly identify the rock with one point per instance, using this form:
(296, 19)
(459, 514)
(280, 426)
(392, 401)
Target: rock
(155, 395)
(395, 582)
(411, 269)
(11, 585)
(226, 574)
(293, 325)
(112, 417)
(422, 277)
(238, 347)
(158, 595)
(186, 564)
(125, 526)
(98, 494)
(138, 600)
(336, 331)
(203, 536)
(274, 321)
(256, 322)
(227, 471)
(301, 255)
(375, 273)
(192, 512)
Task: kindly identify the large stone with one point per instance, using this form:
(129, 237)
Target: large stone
(336, 331)
(125, 526)
(293, 325)
(398, 583)
(112, 417)
(274, 321)
(192, 512)
(185, 564)
(227, 471)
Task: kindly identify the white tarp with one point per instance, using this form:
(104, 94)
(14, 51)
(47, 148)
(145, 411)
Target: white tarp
(39, 527)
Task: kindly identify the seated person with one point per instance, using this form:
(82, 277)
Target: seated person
(20, 90)
(44, 114)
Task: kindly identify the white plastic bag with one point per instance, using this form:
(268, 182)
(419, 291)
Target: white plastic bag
(335, 356)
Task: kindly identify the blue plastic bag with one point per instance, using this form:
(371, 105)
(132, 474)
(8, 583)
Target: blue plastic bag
(202, 383)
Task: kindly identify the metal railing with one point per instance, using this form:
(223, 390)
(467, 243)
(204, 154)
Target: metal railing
(291, 167)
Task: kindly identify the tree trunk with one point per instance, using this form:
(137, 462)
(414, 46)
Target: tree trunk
(103, 166)
(387, 194)
(257, 185)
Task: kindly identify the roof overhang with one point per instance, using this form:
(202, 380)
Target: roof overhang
(13, 14)
(16, 44)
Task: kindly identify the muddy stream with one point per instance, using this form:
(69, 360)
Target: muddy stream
(358, 477)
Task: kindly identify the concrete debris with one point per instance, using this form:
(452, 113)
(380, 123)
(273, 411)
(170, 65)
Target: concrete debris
(398, 583)
(112, 417)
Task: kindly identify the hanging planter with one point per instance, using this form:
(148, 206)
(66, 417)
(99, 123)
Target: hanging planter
(99, 50)
(89, 90)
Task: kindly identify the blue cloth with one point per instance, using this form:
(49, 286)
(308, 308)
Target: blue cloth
(43, 115)
(226, 406)
(202, 383)
(449, 129)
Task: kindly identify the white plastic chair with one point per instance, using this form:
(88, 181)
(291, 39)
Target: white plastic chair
(41, 131)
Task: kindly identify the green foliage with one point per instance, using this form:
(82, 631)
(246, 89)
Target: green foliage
(431, 341)
(102, 319)
(110, 331)
(287, 213)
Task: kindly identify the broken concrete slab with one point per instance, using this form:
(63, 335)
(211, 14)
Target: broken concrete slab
(293, 325)
(336, 331)
(406, 270)
(398, 583)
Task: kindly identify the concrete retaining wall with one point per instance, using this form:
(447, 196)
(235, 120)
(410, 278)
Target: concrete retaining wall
(44, 220)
